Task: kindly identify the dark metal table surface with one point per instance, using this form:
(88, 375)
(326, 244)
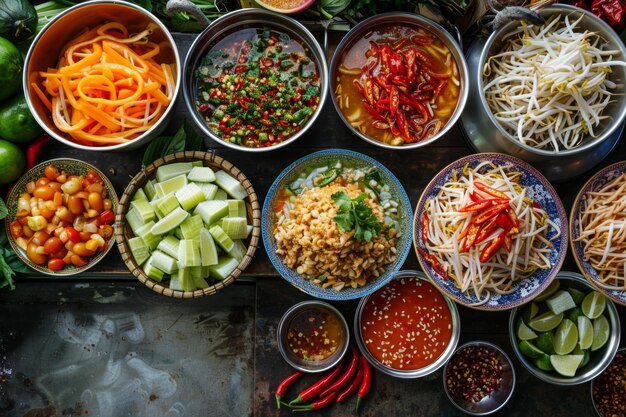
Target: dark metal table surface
(101, 344)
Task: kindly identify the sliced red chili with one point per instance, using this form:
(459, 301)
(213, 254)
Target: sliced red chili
(504, 222)
(486, 230)
(480, 205)
(508, 242)
(489, 213)
(490, 190)
(470, 233)
(493, 247)
(394, 100)
(373, 112)
(425, 224)
(434, 262)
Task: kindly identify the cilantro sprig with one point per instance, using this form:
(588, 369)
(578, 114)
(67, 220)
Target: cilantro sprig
(356, 214)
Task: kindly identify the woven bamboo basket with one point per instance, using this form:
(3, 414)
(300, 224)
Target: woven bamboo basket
(123, 231)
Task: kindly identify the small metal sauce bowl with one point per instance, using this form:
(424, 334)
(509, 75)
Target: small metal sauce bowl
(621, 352)
(491, 403)
(310, 365)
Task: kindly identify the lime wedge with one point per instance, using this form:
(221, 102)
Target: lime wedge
(565, 337)
(585, 332)
(524, 332)
(545, 342)
(546, 321)
(577, 295)
(529, 312)
(593, 305)
(585, 353)
(552, 288)
(530, 350)
(575, 313)
(543, 363)
(566, 365)
(601, 330)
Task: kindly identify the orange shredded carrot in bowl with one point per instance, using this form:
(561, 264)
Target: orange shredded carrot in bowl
(107, 88)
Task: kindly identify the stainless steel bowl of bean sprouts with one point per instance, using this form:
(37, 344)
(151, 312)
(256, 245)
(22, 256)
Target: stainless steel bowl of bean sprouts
(555, 89)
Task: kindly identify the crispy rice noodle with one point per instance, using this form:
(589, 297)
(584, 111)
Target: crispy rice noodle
(602, 227)
(531, 246)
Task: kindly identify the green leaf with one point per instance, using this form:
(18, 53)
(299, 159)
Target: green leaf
(193, 141)
(6, 275)
(3, 209)
(342, 200)
(375, 175)
(355, 213)
(345, 221)
(16, 264)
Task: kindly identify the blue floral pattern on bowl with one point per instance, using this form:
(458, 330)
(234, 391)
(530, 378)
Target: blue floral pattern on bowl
(403, 243)
(598, 180)
(540, 189)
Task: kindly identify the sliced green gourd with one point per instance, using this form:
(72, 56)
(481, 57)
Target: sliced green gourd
(561, 301)
(139, 249)
(134, 220)
(165, 172)
(208, 250)
(189, 196)
(212, 211)
(235, 227)
(166, 205)
(170, 186)
(220, 195)
(238, 251)
(189, 253)
(149, 190)
(153, 204)
(223, 268)
(177, 280)
(190, 228)
(153, 272)
(196, 163)
(170, 222)
(200, 282)
(201, 174)
(150, 239)
(221, 238)
(209, 189)
(139, 195)
(169, 245)
(144, 210)
(236, 208)
(164, 262)
(229, 184)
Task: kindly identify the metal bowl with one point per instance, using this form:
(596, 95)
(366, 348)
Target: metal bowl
(46, 48)
(385, 19)
(500, 397)
(414, 373)
(233, 22)
(486, 134)
(620, 353)
(310, 365)
(599, 360)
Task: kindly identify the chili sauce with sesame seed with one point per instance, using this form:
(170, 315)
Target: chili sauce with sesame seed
(314, 335)
(407, 324)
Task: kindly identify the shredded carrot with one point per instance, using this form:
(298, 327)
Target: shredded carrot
(107, 88)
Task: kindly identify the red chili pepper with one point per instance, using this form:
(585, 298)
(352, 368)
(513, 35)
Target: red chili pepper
(240, 68)
(425, 224)
(369, 91)
(490, 190)
(287, 382)
(34, 149)
(470, 236)
(243, 103)
(409, 57)
(373, 111)
(366, 384)
(314, 390)
(402, 124)
(394, 99)
(347, 375)
(508, 242)
(385, 56)
(492, 211)
(493, 247)
(512, 216)
(380, 125)
(421, 40)
(475, 197)
(107, 217)
(416, 105)
(434, 262)
(374, 48)
(72, 234)
(486, 230)
(353, 387)
(611, 11)
(424, 57)
(396, 64)
(324, 402)
(438, 76)
(504, 222)
(480, 205)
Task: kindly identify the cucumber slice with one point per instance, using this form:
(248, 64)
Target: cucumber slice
(166, 205)
(177, 280)
(165, 172)
(190, 228)
(144, 210)
(201, 174)
(170, 186)
(153, 272)
(199, 281)
(189, 196)
(236, 208)
(140, 195)
(134, 220)
(208, 250)
(221, 238)
(189, 253)
(149, 189)
(170, 222)
(223, 268)
(139, 249)
(238, 251)
(220, 195)
(212, 211)
(196, 164)
(209, 189)
(235, 227)
(164, 262)
(230, 185)
(169, 245)
(149, 238)
(205, 272)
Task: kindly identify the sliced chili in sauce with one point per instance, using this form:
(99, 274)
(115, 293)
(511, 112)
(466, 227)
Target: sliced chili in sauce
(407, 324)
(314, 335)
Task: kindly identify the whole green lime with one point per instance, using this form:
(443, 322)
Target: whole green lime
(11, 64)
(12, 162)
(17, 123)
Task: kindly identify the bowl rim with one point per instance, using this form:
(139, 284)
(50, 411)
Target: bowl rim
(584, 266)
(164, 118)
(443, 358)
(507, 359)
(304, 306)
(620, 351)
(65, 272)
(611, 346)
(277, 260)
(149, 172)
(562, 215)
(275, 20)
(415, 20)
(549, 10)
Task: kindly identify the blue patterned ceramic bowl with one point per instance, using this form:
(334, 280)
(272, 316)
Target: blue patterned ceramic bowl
(597, 181)
(70, 166)
(541, 191)
(289, 174)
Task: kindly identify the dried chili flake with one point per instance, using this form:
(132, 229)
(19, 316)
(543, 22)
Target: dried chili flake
(609, 388)
(474, 372)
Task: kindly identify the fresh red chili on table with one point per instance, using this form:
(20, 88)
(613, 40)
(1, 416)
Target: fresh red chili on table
(366, 384)
(314, 390)
(354, 385)
(284, 386)
(347, 375)
(34, 149)
(324, 402)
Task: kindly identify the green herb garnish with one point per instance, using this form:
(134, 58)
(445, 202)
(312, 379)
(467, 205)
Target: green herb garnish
(355, 214)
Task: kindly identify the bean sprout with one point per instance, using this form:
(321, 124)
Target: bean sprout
(549, 85)
(602, 228)
(530, 241)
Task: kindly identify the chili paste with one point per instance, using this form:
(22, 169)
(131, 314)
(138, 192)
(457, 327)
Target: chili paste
(257, 87)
